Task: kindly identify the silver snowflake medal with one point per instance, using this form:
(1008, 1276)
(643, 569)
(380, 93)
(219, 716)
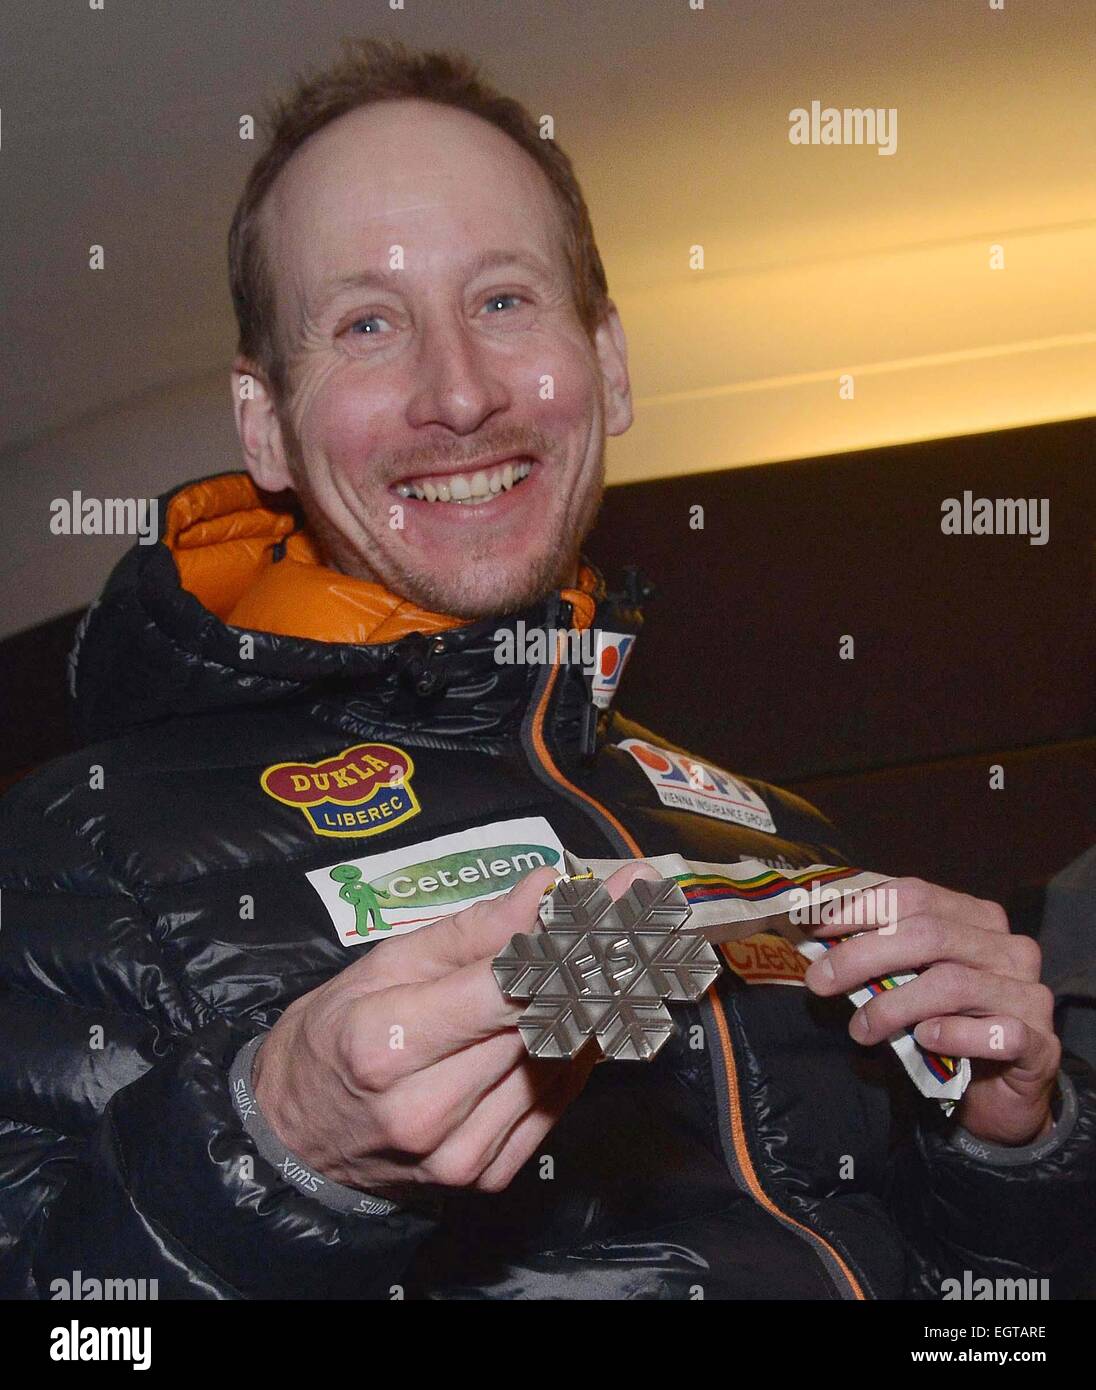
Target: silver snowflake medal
(602, 969)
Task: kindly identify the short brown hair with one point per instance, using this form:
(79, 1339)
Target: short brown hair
(369, 71)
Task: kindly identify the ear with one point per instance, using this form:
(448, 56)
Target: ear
(259, 428)
(612, 352)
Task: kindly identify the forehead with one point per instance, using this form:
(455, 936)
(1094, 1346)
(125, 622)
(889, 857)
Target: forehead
(439, 182)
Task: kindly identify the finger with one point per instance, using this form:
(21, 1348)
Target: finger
(995, 1038)
(531, 1130)
(472, 934)
(949, 989)
(464, 1156)
(477, 931)
(408, 1028)
(439, 1099)
(479, 998)
(622, 879)
(917, 942)
(413, 1131)
(901, 898)
(464, 1075)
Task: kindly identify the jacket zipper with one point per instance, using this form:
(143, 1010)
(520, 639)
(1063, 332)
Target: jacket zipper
(731, 1129)
(732, 1133)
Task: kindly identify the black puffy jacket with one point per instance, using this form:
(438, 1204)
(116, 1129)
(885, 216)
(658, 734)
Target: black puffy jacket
(131, 973)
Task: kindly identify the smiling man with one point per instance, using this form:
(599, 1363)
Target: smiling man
(444, 408)
(255, 1044)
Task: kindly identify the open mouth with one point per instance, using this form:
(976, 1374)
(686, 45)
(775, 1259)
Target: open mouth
(468, 489)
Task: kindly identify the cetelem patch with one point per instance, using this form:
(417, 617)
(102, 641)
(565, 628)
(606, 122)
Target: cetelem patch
(363, 790)
(384, 895)
(688, 785)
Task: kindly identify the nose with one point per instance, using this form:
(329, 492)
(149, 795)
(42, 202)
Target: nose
(456, 384)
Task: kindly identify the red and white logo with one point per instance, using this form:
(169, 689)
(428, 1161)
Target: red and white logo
(689, 785)
(611, 652)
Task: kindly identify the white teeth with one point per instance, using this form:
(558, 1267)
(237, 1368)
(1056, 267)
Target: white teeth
(468, 490)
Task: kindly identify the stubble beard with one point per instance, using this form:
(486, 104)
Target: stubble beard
(485, 587)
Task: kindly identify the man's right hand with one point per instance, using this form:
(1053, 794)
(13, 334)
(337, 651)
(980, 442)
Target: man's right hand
(407, 1067)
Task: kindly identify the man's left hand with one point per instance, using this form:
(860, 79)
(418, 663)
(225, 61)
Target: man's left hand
(978, 995)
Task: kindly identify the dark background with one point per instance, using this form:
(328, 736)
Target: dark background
(970, 650)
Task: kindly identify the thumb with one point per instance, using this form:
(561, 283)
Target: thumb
(478, 931)
(622, 879)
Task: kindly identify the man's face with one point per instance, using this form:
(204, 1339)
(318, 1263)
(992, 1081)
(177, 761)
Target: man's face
(446, 414)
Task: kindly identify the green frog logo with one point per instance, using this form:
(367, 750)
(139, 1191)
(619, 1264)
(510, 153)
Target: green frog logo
(361, 897)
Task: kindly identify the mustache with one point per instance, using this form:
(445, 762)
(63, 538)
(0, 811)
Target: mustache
(459, 458)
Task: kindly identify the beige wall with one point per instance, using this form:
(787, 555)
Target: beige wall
(821, 260)
(936, 343)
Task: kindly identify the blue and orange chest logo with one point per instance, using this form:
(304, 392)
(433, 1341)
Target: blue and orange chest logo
(361, 791)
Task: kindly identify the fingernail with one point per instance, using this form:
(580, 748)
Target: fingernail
(929, 1032)
(860, 1024)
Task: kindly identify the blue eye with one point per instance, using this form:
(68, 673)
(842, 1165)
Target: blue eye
(502, 298)
(370, 318)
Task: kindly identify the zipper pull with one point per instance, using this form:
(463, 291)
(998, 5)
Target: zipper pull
(418, 666)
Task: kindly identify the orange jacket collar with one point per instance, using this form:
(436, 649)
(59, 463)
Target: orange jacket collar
(223, 535)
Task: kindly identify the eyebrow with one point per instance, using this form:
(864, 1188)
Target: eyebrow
(382, 279)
